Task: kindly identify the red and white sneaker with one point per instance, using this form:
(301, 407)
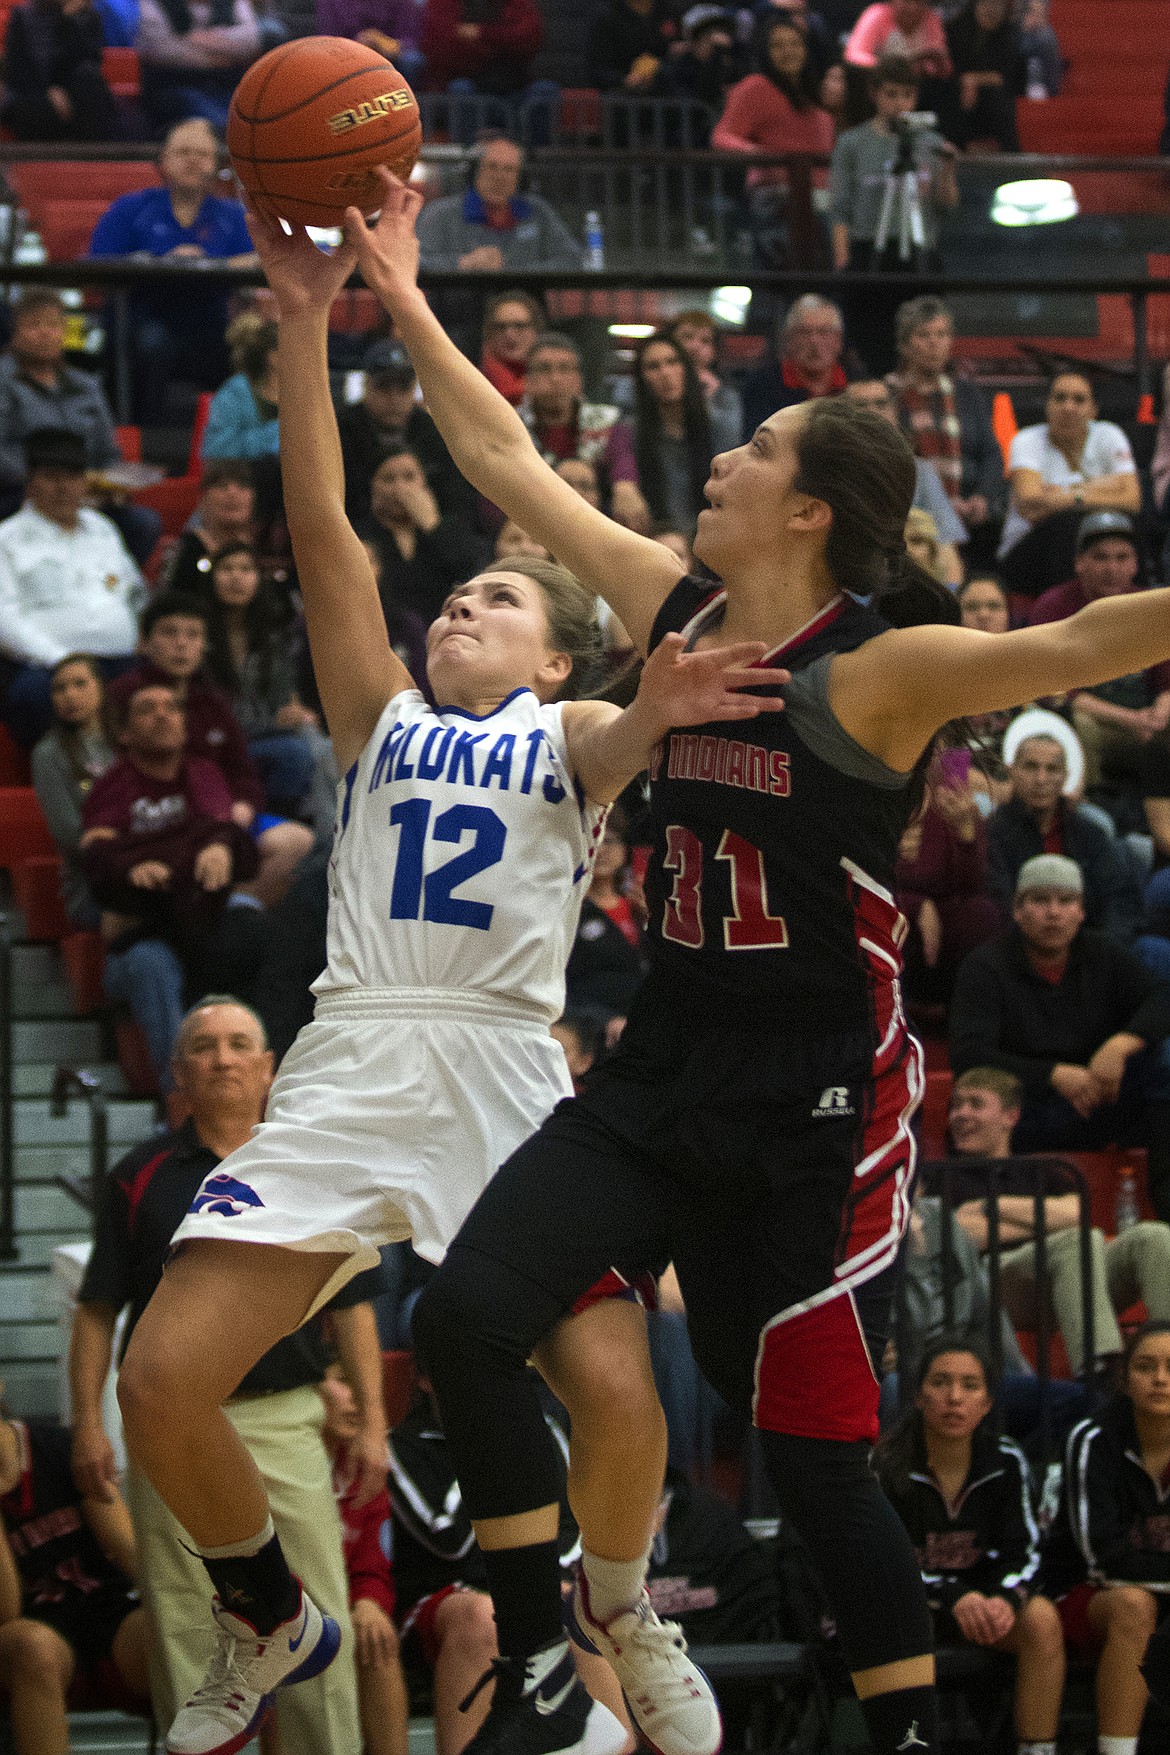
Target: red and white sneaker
(670, 1699)
(231, 1703)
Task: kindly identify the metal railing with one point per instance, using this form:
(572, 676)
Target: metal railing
(71, 1081)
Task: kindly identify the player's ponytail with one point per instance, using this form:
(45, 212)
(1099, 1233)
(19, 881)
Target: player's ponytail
(573, 623)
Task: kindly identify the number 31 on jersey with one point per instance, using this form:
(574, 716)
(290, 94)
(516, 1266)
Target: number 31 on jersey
(750, 926)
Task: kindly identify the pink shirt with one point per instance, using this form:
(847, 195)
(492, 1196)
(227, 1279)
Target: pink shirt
(758, 117)
(875, 35)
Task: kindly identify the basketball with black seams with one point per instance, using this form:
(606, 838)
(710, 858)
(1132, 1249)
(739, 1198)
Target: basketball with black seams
(311, 122)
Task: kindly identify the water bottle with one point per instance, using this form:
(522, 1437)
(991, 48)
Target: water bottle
(1125, 1213)
(1036, 87)
(594, 241)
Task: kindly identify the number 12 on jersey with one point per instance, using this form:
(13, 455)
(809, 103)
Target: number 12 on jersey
(749, 926)
(433, 896)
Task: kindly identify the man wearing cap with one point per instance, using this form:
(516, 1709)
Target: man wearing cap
(1039, 818)
(1117, 719)
(1071, 1014)
(67, 583)
(389, 416)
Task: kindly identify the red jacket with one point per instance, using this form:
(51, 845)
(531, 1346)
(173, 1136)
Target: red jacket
(213, 731)
(512, 35)
(365, 1543)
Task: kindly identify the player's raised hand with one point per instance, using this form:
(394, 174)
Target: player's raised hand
(302, 277)
(387, 251)
(688, 688)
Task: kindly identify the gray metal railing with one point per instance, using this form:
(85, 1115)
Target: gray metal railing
(68, 1082)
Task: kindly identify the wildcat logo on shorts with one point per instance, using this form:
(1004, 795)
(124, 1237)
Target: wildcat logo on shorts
(834, 1104)
(222, 1194)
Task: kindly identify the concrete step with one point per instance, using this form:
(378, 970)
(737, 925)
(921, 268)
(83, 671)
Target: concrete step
(30, 1341)
(36, 1247)
(32, 1388)
(71, 1041)
(35, 1078)
(44, 999)
(26, 1296)
(33, 963)
(128, 1121)
(46, 1163)
(42, 1206)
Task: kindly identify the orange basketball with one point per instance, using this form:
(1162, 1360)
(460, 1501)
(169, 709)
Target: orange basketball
(312, 120)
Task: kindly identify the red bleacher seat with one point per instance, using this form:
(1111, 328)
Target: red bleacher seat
(173, 499)
(580, 112)
(24, 833)
(198, 428)
(134, 1058)
(129, 443)
(14, 762)
(122, 72)
(936, 1103)
(36, 889)
(66, 222)
(83, 957)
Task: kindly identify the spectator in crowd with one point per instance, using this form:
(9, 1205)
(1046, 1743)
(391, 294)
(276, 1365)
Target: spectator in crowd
(984, 45)
(1154, 786)
(964, 1494)
(1114, 1503)
(512, 321)
(225, 513)
(241, 422)
(39, 392)
(74, 752)
(1040, 817)
(172, 647)
(909, 29)
(563, 425)
(775, 110)
(192, 54)
(701, 65)
(493, 225)
(392, 27)
(983, 604)
(834, 96)
(629, 41)
(1115, 721)
(68, 1608)
(673, 440)
(1070, 1014)
(720, 1583)
(514, 541)
(53, 71)
(607, 962)
(582, 477)
(422, 553)
(923, 545)
(1132, 1267)
(1069, 463)
(580, 1036)
(389, 416)
(66, 582)
(177, 331)
(810, 343)
(946, 419)
(941, 881)
(367, 1538)
(929, 493)
(408, 631)
(823, 42)
(1040, 46)
(223, 1071)
(483, 47)
(696, 332)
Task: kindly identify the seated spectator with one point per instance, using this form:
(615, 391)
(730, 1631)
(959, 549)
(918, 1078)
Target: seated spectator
(775, 110)
(1071, 1014)
(989, 65)
(628, 43)
(1040, 816)
(1071, 462)
(923, 545)
(53, 71)
(607, 962)
(1114, 1504)
(514, 541)
(807, 362)
(1115, 721)
(563, 424)
(823, 42)
(700, 66)
(39, 392)
(69, 1610)
(582, 477)
(983, 604)
(493, 226)
(512, 321)
(484, 48)
(421, 552)
(929, 494)
(66, 582)
(242, 421)
(946, 419)
(580, 1036)
(192, 54)
(172, 648)
(74, 752)
(1132, 1267)
(909, 29)
(696, 332)
(225, 513)
(176, 330)
(673, 441)
(833, 96)
(389, 416)
(707, 1573)
(1040, 46)
(161, 851)
(964, 1495)
(941, 882)
(392, 27)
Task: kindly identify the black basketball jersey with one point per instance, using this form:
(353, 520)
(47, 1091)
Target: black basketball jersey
(63, 1570)
(770, 885)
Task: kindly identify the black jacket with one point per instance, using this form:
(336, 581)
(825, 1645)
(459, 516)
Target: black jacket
(604, 970)
(988, 1541)
(1004, 1014)
(364, 446)
(1112, 900)
(620, 35)
(1119, 1518)
(443, 557)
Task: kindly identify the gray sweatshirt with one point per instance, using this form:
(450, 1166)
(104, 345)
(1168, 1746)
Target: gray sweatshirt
(861, 161)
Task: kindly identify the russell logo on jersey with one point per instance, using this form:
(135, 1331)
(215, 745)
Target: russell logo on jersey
(834, 1104)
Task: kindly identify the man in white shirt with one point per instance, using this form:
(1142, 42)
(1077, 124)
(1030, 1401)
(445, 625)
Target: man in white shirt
(67, 583)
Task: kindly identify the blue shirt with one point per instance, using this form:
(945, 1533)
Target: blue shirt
(143, 222)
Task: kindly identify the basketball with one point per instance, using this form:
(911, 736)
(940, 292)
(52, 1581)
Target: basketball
(310, 123)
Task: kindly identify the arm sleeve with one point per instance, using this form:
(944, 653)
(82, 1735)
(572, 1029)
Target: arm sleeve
(366, 1563)
(21, 72)
(20, 637)
(112, 235)
(1145, 999)
(1018, 1538)
(159, 44)
(947, 521)
(438, 234)
(733, 132)
(981, 449)
(233, 428)
(107, 1273)
(1100, 1520)
(12, 457)
(235, 764)
(558, 247)
(866, 38)
(105, 443)
(57, 793)
(843, 180)
(976, 1023)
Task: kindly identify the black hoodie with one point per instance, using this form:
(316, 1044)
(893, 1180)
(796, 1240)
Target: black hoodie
(1120, 1517)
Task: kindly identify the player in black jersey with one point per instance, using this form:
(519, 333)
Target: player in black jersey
(754, 1124)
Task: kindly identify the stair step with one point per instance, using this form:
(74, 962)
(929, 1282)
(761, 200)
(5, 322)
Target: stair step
(43, 1206)
(128, 1121)
(32, 963)
(36, 1247)
(42, 999)
(46, 1163)
(26, 1297)
(32, 1389)
(73, 1041)
(32, 1340)
(35, 1079)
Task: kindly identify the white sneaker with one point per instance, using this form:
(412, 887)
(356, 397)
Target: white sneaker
(231, 1703)
(669, 1697)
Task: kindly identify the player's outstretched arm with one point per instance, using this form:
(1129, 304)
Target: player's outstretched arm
(357, 671)
(608, 747)
(489, 441)
(893, 693)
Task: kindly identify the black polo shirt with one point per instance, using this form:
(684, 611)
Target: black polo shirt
(143, 1200)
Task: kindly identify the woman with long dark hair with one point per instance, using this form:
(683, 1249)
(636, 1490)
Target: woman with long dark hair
(75, 751)
(673, 444)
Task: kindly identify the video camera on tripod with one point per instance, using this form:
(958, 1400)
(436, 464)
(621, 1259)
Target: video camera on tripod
(900, 224)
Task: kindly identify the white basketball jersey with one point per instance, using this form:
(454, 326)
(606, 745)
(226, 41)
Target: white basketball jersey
(461, 855)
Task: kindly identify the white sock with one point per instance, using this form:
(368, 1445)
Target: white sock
(239, 1550)
(614, 1585)
(1117, 1745)
(1037, 1749)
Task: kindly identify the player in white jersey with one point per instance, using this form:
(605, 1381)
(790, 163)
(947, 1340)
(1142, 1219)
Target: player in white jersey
(463, 846)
